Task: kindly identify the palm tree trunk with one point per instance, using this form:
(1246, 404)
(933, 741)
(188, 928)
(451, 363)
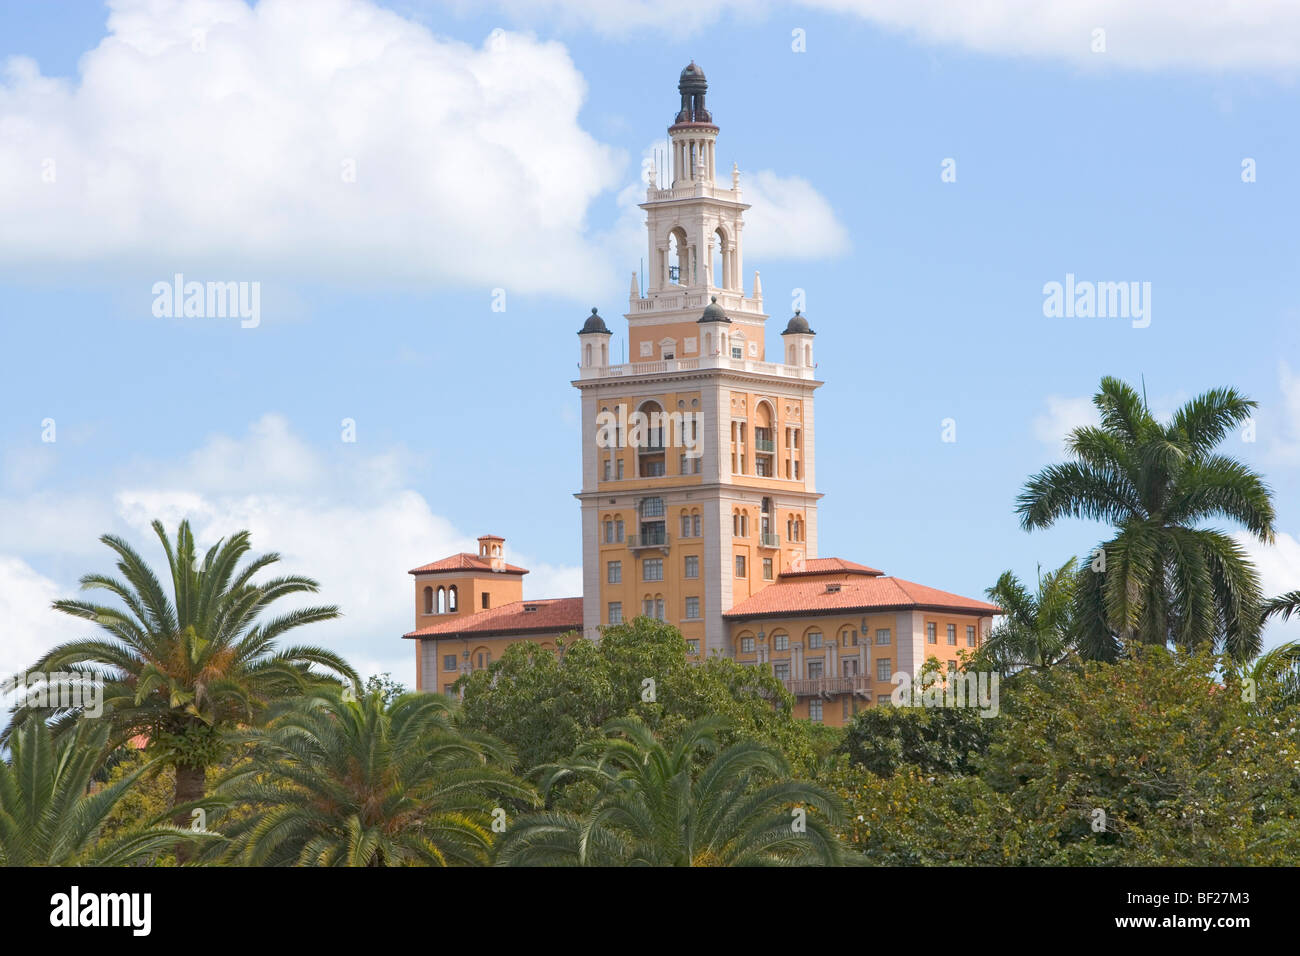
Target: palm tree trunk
(190, 786)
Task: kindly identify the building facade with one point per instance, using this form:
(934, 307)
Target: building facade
(699, 498)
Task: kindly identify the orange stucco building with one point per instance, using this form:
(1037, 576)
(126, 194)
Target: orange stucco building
(699, 501)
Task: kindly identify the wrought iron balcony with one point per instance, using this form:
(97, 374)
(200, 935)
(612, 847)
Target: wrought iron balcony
(765, 444)
(766, 540)
(654, 539)
(830, 686)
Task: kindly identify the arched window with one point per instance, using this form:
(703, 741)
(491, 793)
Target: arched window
(442, 601)
(588, 360)
(428, 600)
(451, 598)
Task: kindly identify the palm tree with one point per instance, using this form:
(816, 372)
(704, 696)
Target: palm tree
(1284, 605)
(1037, 629)
(340, 781)
(48, 817)
(1162, 578)
(655, 806)
(183, 669)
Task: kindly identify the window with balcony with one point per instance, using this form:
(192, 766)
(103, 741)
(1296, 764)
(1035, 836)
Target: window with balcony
(781, 670)
(652, 508)
(850, 666)
(815, 669)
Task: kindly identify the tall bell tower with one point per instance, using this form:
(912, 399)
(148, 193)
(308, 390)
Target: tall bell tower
(716, 495)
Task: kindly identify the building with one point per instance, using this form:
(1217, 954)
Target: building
(699, 496)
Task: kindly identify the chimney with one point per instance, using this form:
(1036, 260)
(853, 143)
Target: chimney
(491, 548)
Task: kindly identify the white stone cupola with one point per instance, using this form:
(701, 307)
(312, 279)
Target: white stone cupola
(593, 339)
(797, 341)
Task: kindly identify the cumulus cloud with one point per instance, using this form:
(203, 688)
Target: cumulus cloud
(1255, 35)
(789, 219)
(332, 137)
(1279, 573)
(353, 523)
(1054, 426)
(1284, 447)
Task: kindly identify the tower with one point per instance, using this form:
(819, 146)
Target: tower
(698, 485)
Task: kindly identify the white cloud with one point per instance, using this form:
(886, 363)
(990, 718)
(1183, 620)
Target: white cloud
(1255, 35)
(351, 522)
(789, 220)
(30, 625)
(1279, 572)
(208, 128)
(1062, 417)
(1285, 444)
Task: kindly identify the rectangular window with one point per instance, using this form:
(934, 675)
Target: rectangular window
(695, 526)
(619, 470)
(693, 647)
(686, 526)
(883, 699)
(952, 634)
(692, 569)
(740, 565)
(814, 640)
(618, 528)
(449, 662)
(747, 645)
(781, 670)
(882, 635)
(815, 669)
(692, 609)
(609, 532)
(614, 572)
(767, 569)
(781, 642)
(615, 612)
(737, 352)
(931, 633)
(970, 635)
(652, 569)
(607, 469)
(883, 669)
(815, 710)
(485, 600)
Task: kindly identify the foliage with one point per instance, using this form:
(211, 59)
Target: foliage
(548, 705)
(886, 739)
(184, 668)
(334, 781)
(1036, 630)
(1164, 579)
(656, 806)
(49, 817)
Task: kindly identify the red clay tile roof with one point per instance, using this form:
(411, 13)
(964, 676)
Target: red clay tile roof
(464, 562)
(830, 566)
(868, 594)
(550, 614)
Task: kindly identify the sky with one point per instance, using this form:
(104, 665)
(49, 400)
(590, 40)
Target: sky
(431, 196)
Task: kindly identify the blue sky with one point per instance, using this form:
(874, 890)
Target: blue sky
(515, 167)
